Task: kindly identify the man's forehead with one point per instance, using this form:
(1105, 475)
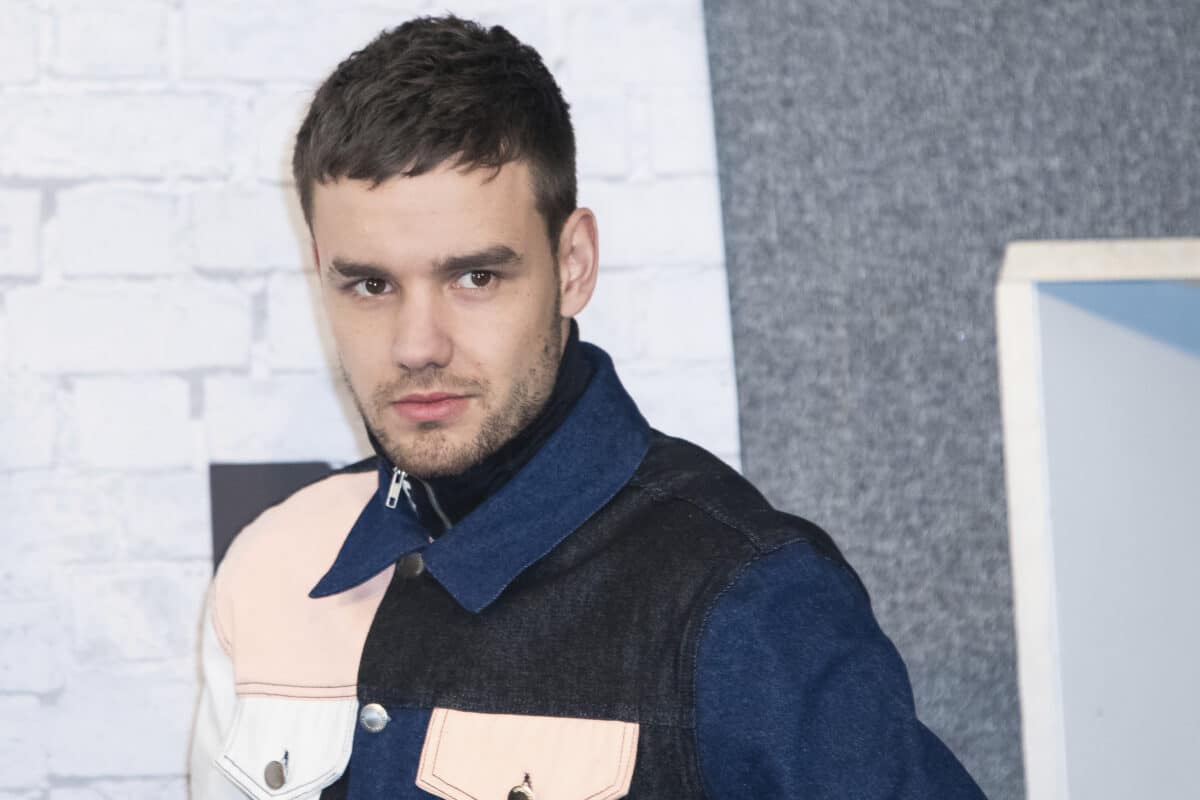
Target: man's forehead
(444, 190)
(422, 219)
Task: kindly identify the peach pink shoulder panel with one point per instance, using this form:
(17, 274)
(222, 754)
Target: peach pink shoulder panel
(282, 642)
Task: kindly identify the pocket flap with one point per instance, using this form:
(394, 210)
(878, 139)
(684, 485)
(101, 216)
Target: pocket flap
(288, 748)
(472, 756)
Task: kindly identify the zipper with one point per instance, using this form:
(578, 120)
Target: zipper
(399, 483)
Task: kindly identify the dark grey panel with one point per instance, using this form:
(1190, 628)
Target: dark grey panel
(875, 158)
(240, 492)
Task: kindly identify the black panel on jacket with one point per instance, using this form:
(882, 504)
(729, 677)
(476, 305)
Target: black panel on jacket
(605, 626)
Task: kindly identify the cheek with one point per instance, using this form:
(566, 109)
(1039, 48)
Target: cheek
(359, 348)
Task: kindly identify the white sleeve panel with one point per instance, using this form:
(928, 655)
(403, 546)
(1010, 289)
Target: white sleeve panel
(214, 716)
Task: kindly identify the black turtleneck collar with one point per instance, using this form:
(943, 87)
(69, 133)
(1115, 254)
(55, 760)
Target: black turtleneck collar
(446, 500)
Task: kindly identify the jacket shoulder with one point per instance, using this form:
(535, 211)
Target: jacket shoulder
(305, 524)
(676, 470)
(281, 640)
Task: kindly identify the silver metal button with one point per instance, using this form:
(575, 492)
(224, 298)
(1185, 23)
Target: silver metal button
(275, 775)
(411, 565)
(373, 717)
(522, 791)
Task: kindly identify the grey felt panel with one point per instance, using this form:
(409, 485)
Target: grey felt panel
(875, 158)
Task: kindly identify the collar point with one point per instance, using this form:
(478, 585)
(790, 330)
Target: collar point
(328, 585)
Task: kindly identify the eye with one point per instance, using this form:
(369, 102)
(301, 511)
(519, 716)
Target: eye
(369, 287)
(478, 279)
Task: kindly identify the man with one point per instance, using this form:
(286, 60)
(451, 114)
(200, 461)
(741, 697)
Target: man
(528, 592)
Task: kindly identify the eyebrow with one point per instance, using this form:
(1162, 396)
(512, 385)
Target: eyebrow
(497, 256)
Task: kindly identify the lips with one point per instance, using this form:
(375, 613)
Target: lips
(432, 407)
(427, 398)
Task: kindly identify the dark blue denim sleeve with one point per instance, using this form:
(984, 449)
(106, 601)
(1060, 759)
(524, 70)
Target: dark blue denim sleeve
(799, 694)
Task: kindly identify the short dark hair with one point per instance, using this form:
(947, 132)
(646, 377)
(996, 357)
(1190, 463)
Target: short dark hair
(435, 90)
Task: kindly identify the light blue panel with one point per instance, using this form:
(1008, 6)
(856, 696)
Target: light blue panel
(1166, 310)
(1121, 397)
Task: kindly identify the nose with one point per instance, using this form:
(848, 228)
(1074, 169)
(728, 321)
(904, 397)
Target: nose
(420, 339)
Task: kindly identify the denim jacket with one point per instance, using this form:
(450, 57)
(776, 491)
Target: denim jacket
(627, 616)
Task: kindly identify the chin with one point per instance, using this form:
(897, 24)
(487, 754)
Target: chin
(436, 459)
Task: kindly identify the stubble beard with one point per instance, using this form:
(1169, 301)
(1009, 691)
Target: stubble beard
(432, 453)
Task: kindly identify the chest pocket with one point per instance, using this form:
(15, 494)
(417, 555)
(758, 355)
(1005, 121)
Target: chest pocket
(283, 748)
(470, 756)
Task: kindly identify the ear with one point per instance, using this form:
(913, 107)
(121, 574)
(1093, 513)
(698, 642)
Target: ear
(578, 261)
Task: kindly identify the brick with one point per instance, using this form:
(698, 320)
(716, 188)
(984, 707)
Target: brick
(687, 316)
(22, 755)
(107, 326)
(27, 579)
(28, 420)
(135, 612)
(165, 515)
(160, 789)
(231, 39)
(298, 335)
(681, 131)
(284, 418)
(34, 656)
(670, 36)
(20, 214)
(218, 237)
(138, 423)
(111, 40)
(615, 317)
(660, 223)
(601, 131)
(590, 31)
(671, 315)
(696, 401)
(18, 43)
(115, 134)
(112, 230)
(52, 517)
(661, 42)
(152, 704)
(269, 132)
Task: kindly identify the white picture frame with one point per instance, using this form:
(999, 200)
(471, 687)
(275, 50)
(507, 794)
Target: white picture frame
(1028, 265)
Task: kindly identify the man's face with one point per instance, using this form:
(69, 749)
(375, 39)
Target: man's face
(443, 297)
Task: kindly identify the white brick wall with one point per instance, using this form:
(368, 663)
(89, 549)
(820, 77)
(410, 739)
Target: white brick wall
(20, 212)
(109, 40)
(131, 423)
(108, 229)
(19, 31)
(156, 314)
(74, 133)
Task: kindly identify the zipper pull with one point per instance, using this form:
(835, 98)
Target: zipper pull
(399, 482)
(399, 479)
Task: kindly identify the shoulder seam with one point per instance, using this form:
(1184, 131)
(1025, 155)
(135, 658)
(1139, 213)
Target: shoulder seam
(734, 577)
(712, 512)
(747, 532)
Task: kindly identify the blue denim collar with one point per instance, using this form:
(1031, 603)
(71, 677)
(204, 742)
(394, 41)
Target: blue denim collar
(580, 468)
